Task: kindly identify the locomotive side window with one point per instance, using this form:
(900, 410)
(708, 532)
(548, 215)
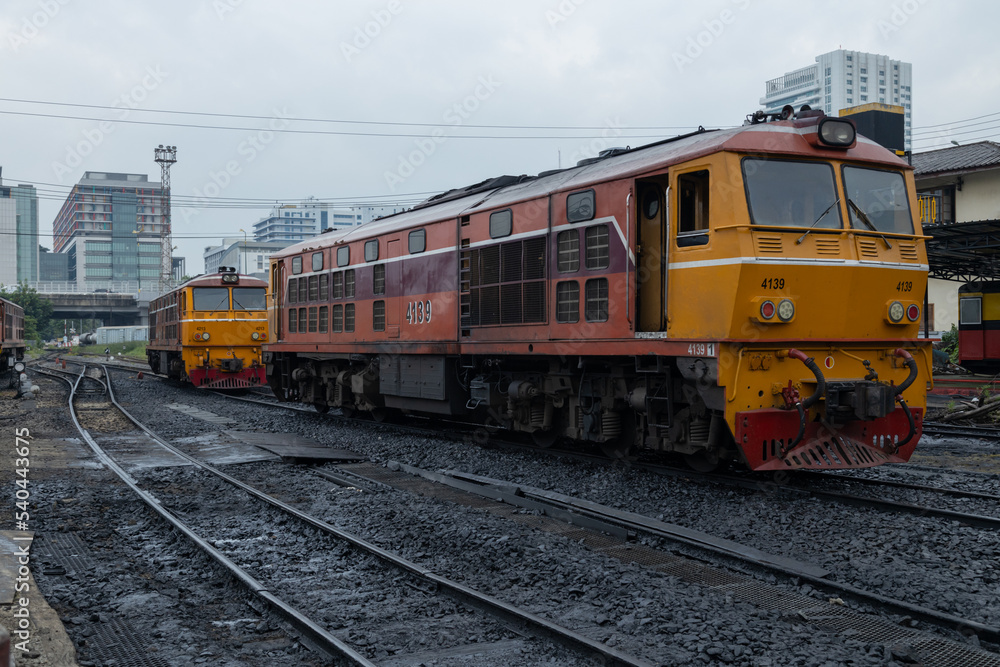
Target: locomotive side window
(349, 317)
(324, 287)
(313, 287)
(970, 311)
(303, 290)
(378, 316)
(580, 206)
(293, 320)
(597, 248)
(881, 197)
(692, 209)
(303, 314)
(786, 193)
(338, 285)
(296, 265)
(501, 223)
(569, 251)
(378, 279)
(371, 250)
(338, 319)
(597, 300)
(568, 301)
(343, 255)
(210, 298)
(312, 320)
(317, 261)
(417, 241)
(349, 283)
(324, 318)
(293, 290)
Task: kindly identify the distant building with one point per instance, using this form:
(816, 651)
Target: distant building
(27, 231)
(178, 268)
(109, 226)
(8, 232)
(53, 266)
(249, 257)
(956, 184)
(842, 79)
(291, 223)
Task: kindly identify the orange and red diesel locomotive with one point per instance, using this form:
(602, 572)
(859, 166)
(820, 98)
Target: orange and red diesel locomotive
(750, 295)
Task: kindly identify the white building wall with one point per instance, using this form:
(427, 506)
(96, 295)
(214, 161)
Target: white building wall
(979, 198)
(8, 241)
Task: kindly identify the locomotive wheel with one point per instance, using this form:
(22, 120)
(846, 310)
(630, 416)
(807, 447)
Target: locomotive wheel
(545, 439)
(703, 461)
(321, 408)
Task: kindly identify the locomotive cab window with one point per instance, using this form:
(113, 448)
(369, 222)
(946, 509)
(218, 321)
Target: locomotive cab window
(692, 208)
(343, 255)
(249, 298)
(371, 250)
(788, 193)
(210, 298)
(877, 201)
(317, 261)
(296, 265)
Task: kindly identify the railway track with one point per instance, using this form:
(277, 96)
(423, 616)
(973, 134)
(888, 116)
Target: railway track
(493, 613)
(946, 430)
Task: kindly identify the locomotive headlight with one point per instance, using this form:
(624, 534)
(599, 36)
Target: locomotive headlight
(836, 132)
(896, 312)
(767, 310)
(19, 367)
(255, 335)
(786, 310)
(913, 312)
(205, 336)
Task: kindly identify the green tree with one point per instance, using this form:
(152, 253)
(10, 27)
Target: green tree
(37, 311)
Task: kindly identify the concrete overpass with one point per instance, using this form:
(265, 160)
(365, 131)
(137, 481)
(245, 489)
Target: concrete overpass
(114, 309)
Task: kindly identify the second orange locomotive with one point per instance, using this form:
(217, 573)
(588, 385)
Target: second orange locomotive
(209, 331)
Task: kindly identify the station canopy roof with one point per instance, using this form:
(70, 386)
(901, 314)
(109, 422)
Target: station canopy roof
(964, 251)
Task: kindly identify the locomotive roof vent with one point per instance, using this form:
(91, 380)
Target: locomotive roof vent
(227, 269)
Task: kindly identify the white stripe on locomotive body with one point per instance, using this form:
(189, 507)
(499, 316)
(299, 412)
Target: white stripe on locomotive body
(798, 261)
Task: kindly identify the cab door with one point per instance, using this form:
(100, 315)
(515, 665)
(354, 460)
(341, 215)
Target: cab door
(651, 256)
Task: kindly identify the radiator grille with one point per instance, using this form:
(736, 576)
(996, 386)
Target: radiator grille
(827, 246)
(908, 251)
(768, 244)
(868, 248)
(503, 283)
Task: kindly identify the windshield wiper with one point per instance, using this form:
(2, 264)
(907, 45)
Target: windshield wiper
(868, 223)
(816, 221)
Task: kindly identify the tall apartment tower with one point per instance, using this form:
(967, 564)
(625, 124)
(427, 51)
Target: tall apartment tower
(110, 226)
(26, 199)
(842, 79)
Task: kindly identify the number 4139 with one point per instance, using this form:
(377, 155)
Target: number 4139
(418, 312)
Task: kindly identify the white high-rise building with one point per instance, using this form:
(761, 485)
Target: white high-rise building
(291, 223)
(842, 79)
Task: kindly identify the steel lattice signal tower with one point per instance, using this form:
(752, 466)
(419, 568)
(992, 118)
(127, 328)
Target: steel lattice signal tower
(165, 156)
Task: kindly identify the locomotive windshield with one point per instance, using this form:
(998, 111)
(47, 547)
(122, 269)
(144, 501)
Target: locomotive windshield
(786, 193)
(248, 298)
(210, 298)
(881, 196)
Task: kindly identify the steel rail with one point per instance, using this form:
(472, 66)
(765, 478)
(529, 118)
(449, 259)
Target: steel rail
(564, 636)
(325, 641)
(517, 494)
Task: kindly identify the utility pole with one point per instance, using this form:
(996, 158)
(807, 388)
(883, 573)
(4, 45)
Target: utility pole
(165, 156)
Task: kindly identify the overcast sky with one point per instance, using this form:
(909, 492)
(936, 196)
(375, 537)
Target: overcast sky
(617, 68)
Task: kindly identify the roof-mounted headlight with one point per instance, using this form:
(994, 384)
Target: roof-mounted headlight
(835, 132)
